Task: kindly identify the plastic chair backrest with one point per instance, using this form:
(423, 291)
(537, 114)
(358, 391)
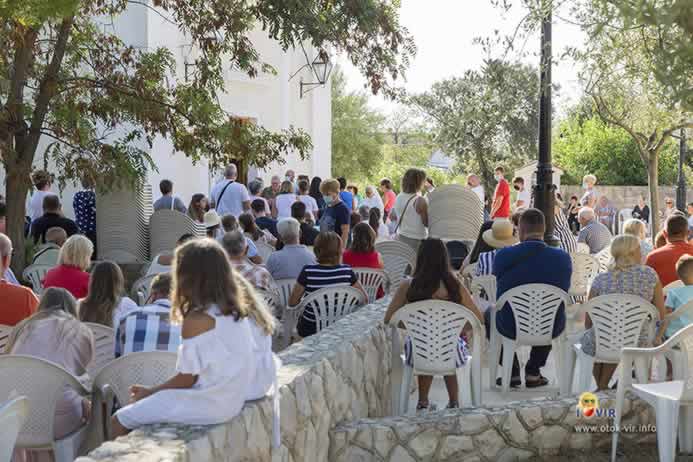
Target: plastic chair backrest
(272, 300)
(285, 286)
(264, 250)
(534, 307)
(149, 368)
(371, 280)
(585, 269)
(623, 216)
(582, 248)
(140, 289)
(617, 320)
(604, 259)
(35, 274)
(5, 332)
(686, 346)
(332, 303)
(12, 417)
(43, 383)
(434, 328)
(484, 288)
(104, 339)
(454, 212)
(397, 256)
(167, 226)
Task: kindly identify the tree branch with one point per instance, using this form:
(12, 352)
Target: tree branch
(608, 117)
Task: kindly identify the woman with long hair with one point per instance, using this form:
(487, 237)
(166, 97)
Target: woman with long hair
(434, 279)
(105, 303)
(375, 219)
(253, 232)
(54, 334)
(316, 194)
(198, 207)
(218, 360)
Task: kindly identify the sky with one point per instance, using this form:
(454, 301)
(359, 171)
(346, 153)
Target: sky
(444, 30)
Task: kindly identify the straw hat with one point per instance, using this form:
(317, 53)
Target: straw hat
(211, 219)
(500, 235)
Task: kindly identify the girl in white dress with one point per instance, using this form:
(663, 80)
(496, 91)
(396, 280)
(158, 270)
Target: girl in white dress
(217, 363)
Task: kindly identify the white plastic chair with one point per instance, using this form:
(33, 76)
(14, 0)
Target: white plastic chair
(140, 288)
(469, 273)
(617, 320)
(672, 285)
(585, 269)
(483, 289)
(12, 417)
(35, 275)
(434, 328)
(583, 248)
(113, 382)
(104, 339)
(454, 213)
(604, 259)
(284, 288)
(167, 226)
(674, 355)
(43, 383)
(371, 280)
(397, 257)
(672, 401)
(534, 307)
(272, 300)
(264, 250)
(5, 333)
(331, 304)
(623, 216)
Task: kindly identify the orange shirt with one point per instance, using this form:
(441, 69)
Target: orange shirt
(16, 303)
(663, 260)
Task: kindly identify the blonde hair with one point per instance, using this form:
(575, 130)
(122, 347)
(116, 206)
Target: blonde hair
(76, 251)
(591, 179)
(634, 227)
(625, 250)
(329, 186)
(202, 277)
(257, 308)
(286, 187)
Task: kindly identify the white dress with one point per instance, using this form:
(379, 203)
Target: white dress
(266, 364)
(224, 362)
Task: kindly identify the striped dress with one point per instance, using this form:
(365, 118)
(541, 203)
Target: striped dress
(567, 239)
(315, 277)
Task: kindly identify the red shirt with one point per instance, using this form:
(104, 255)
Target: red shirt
(363, 260)
(663, 260)
(18, 303)
(502, 191)
(70, 278)
(389, 200)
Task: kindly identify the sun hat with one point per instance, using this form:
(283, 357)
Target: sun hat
(500, 235)
(211, 219)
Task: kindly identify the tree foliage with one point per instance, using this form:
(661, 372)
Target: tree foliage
(591, 146)
(99, 103)
(485, 117)
(357, 131)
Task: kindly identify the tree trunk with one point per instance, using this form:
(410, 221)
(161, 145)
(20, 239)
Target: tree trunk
(17, 188)
(653, 182)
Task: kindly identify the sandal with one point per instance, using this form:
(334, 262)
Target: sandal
(515, 382)
(452, 405)
(541, 381)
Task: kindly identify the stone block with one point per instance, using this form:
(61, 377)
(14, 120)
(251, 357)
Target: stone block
(454, 444)
(384, 439)
(399, 454)
(471, 424)
(489, 443)
(424, 444)
(531, 416)
(357, 454)
(549, 437)
(516, 431)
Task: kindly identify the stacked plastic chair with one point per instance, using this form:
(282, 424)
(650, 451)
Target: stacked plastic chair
(454, 213)
(122, 224)
(167, 226)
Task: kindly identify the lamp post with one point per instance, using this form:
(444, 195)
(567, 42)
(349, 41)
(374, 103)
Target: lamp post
(681, 187)
(545, 190)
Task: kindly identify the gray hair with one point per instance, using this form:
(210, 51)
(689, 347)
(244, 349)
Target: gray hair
(289, 229)
(370, 188)
(5, 246)
(234, 243)
(364, 210)
(231, 171)
(254, 187)
(586, 214)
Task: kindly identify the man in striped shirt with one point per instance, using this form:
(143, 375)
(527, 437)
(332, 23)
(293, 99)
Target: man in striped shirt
(149, 328)
(592, 232)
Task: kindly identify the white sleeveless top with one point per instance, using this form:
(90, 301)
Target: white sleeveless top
(411, 225)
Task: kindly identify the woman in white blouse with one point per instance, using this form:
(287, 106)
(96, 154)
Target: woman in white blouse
(284, 200)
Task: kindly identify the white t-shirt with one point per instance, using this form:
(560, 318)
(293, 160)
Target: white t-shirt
(232, 200)
(526, 197)
(311, 204)
(36, 204)
(283, 203)
(374, 202)
(125, 306)
(479, 191)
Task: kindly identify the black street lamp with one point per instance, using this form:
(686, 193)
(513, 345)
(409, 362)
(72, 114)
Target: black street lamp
(321, 68)
(681, 186)
(545, 190)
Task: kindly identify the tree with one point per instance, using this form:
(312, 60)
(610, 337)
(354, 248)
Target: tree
(620, 74)
(583, 146)
(99, 103)
(486, 117)
(357, 136)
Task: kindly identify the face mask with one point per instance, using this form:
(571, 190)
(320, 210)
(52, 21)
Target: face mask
(328, 200)
(584, 185)
(288, 178)
(517, 188)
(497, 177)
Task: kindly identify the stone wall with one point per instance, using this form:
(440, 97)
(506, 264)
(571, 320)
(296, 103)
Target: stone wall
(517, 431)
(339, 375)
(626, 196)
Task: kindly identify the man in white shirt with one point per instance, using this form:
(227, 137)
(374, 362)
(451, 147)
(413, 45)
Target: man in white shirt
(42, 182)
(474, 183)
(228, 196)
(524, 197)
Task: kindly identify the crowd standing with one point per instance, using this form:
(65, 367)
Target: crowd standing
(203, 299)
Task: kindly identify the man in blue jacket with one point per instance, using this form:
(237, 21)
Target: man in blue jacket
(530, 262)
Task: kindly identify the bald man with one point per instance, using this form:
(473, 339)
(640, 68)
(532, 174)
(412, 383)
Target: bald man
(230, 197)
(18, 302)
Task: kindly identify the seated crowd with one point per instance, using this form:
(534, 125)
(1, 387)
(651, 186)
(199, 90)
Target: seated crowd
(203, 303)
